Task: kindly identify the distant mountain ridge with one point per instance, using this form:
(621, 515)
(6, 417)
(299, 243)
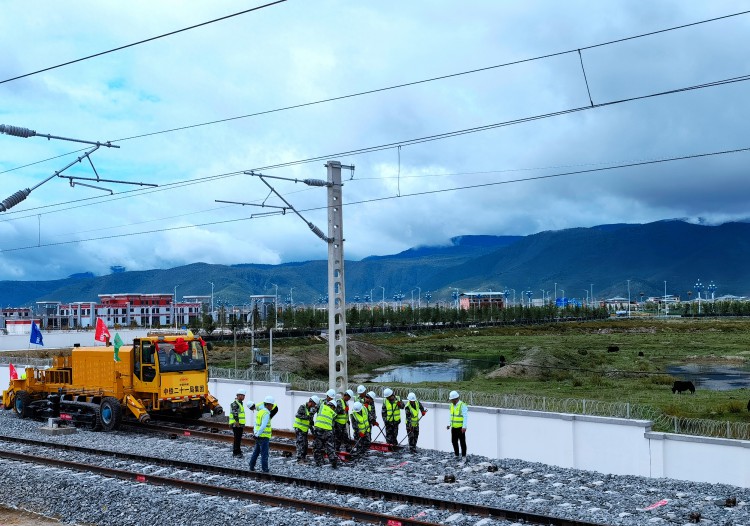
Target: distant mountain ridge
(605, 256)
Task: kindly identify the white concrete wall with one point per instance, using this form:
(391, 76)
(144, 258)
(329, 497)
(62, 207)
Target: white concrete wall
(607, 445)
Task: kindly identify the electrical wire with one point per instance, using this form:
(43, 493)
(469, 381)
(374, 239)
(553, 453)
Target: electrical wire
(432, 79)
(140, 42)
(430, 138)
(379, 199)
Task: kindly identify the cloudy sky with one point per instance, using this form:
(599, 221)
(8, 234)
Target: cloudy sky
(299, 52)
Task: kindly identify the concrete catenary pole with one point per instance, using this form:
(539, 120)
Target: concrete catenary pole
(338, 377)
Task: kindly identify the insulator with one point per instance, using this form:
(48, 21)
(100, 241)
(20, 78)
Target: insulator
(13, 200)
(315, 182)
(318, 232)
(17, 131)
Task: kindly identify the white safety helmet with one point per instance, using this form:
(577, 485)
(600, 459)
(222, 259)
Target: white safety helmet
(411, 397)
(269, 400)
(387, 392)
(372, 395)
(357, 407)
(453, 395)
(242, 392)
(250, 404)
(361, 389)
(330, 393)
(350, 393)
(314, 399)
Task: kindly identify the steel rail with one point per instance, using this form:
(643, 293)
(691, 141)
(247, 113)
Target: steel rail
(449, 505)
(224, 491)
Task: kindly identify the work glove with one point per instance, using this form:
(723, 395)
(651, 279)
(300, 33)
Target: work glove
(424, 412)
(447, 427)
(376, 424)
(361, 435)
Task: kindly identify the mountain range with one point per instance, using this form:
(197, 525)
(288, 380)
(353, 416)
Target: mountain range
(573, 260)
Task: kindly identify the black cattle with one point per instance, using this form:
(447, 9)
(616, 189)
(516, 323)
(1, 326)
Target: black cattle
(613, 348)
(679, 386)
(640, 353)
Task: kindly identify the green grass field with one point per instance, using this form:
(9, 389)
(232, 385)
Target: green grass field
(570, 360)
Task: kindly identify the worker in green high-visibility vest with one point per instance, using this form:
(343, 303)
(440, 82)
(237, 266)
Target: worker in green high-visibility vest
(323, 431)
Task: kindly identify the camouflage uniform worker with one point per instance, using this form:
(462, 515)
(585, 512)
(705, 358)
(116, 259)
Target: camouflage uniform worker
(340, 423)
(391, 413)
(323, 431)
(361, 395)
(302, 422)
(237, 421)
(412, 413)
(370, 406)
(361, 427)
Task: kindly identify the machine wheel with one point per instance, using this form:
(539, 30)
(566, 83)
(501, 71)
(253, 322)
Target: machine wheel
(21, 404)
(110, 414)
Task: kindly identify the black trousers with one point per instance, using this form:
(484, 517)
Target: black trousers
(237, 440)
(457, 437)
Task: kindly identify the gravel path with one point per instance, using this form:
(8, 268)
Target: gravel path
(82, 498)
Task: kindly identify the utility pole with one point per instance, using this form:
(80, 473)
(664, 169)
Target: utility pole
(337, 373)
(338, 377)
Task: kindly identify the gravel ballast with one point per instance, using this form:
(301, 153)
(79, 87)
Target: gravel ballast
(85, 498)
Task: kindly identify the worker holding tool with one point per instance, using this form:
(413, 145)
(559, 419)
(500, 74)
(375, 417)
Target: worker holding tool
(372, 416)
(341, 422)
(302, 422)
(323, 432)
(413, 412)
(361, 394)
(361, 426)
(391, 413)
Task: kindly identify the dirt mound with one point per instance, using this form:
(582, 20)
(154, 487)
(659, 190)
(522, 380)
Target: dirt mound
(532, 365)
(316, 362)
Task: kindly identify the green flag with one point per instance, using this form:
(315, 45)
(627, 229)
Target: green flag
(118, 344)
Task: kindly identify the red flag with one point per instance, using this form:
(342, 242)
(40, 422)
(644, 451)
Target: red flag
(102, 333)
(13, 373)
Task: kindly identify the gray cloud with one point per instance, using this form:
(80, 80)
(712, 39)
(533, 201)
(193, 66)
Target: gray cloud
(292, 54)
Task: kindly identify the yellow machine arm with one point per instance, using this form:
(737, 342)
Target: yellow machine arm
(136, 407)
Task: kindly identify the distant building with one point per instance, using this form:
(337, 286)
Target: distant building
(478, 300)
(146, 310)
(17, 320)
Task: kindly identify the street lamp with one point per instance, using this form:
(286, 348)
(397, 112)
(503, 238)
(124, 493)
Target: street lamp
(699, 288)
(174, 306)
(276, 306)
(712, 289)
(666, 307)
(212, 300)
(628, 298)
(383, 303)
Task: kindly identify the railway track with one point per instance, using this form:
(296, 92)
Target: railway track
(179, 479)
(282, 440)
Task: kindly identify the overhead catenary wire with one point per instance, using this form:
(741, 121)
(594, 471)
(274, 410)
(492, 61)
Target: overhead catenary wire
(437, 78)
(378, 199)
(140, 42)
(455, 133)
(540, 57)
